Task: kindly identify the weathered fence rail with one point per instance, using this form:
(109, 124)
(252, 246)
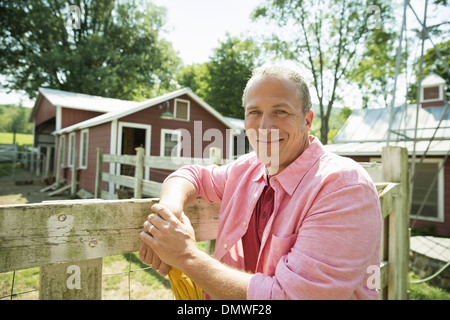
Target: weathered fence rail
(139, 161)
(69, 238)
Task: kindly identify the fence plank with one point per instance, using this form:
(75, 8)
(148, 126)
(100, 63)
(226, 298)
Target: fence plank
(81, 280)
(122, 159)
(33, 235)
(151, 188)
(121, 180)
(388, 197)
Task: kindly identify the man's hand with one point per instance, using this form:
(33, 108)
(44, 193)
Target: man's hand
(170, 238)
(147, 256)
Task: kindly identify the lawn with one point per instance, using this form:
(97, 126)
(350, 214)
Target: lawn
(21, 138)
(119, 284)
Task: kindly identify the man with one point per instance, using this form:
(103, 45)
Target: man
(295, 222)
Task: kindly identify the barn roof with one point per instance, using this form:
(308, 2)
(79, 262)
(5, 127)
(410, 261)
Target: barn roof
(80, 101)
(366, 130)
(110, 116)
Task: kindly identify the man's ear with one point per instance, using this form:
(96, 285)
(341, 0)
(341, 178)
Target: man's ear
(308, 120)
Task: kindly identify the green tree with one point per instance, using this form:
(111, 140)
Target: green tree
(221, 80)
(195, 76)
(116, 52)
(374, 72)
(15, 119)
(326, 37)
(432, 64)
(229, 68)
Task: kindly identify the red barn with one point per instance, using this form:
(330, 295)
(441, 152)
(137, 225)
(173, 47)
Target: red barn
(56, 109)
(190, 130)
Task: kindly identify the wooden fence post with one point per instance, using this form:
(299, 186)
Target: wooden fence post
(98, 174)
(48, 158)
(38, 164)
(58, 167)
(81, 280)
(138, 173)
(395, 169)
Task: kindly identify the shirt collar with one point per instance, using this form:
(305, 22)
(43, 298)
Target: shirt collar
(293, 174)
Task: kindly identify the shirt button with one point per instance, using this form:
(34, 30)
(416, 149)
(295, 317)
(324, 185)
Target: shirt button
(225, 246)
(264, 215)
(245, 223)
(255, 195)
(269, 197)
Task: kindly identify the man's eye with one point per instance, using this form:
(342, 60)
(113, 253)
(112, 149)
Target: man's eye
(280, 112)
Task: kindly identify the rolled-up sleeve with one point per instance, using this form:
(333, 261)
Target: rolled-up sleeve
(208, 180)
(336, 242)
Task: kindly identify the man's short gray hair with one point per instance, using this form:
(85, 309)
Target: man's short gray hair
(281, 71)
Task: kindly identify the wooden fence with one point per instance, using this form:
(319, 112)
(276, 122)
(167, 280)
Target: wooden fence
(139, 161)
(68, 239)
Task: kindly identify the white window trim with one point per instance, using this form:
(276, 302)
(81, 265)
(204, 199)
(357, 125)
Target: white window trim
(163, 142)
(69, 149)
(148, 130)
(81, 166)
(440, 188)
(188, 109)
(62, 146)
(441, 94)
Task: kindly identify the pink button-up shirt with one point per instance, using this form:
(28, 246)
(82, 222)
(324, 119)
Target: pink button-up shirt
(324, 232)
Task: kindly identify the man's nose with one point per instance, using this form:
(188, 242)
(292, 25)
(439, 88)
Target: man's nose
(266, 122)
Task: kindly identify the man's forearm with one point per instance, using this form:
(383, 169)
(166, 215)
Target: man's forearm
(175, 193)
(215, 278)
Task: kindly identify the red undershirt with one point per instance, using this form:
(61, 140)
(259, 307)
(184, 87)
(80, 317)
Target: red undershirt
(251, 241)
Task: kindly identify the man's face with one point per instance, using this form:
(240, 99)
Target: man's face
(276, 127)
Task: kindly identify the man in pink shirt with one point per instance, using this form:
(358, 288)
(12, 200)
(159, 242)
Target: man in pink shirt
(295, 222)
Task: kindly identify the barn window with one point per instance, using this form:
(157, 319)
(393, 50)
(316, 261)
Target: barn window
(70, 151)
(182, 109)
(428, 180)
(170, 143)
(84, 143)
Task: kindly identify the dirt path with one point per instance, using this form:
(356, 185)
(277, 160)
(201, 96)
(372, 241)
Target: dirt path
(25, 189)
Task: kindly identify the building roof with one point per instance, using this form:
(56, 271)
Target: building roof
(82, 101)
(432, 80)
(236, 123)
(366, 130)
(119, 113)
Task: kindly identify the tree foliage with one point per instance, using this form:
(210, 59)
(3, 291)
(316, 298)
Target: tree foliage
(327, 37)
(221, 80)
(15, 119)
(432, 64)
(116, 53)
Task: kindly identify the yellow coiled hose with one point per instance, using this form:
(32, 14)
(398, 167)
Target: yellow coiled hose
(183, 287)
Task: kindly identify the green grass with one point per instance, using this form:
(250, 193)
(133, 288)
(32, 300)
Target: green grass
(149, 285)
(6, 169)
(423, 291)
(21, 138)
